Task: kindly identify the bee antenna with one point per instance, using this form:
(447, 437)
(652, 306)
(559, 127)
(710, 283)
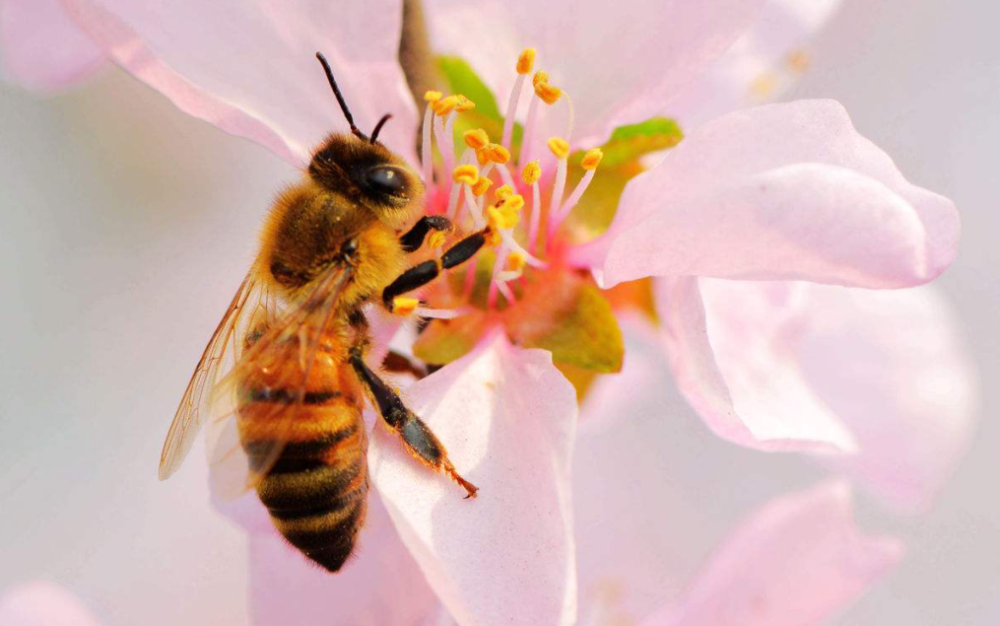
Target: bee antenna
(340, 96)
(378, 127)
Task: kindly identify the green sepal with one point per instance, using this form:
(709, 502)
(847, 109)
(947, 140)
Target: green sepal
(566, 314)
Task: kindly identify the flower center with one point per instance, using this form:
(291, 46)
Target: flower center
(519, 206)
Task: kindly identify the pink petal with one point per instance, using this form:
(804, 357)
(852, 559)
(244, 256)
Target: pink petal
(508, 418)
(607, 60)
(248, 67)
(785, 191)
(893, 366)
(43, 604)
(733, 368)
(380, 586)
(807, 367)
(41, 48)
(796, 562)
(759, 66)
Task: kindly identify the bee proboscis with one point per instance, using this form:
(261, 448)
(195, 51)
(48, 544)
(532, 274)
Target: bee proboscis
(283, 381)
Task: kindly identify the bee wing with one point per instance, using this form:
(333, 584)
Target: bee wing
(233, 471)
(250, 303)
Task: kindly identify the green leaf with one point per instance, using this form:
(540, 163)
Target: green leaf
(566, 314)
(464, 80)
(461, 78)
(628, 143)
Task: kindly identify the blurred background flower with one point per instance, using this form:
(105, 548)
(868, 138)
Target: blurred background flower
(104, 234)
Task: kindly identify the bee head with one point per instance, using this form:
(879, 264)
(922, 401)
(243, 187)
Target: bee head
(370, 175)
(364, 170)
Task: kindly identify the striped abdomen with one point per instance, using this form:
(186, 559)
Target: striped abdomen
(317, 489)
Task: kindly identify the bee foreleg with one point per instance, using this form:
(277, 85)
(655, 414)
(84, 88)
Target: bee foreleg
(414, 238)
(416, 435)
(423, 273)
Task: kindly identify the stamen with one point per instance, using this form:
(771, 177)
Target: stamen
(526, 61)
(445, 143)
(560, 148)
(524, 64)
(529, 130)
(505, 174)
(482, 186)
(426, 156)
(476, 139)
(401, 305)
(497, 153)
(436, 239)
(503, 192)
(530, 175)
(515, 262)
(494, 282)
(440, 314)
(549, 94)
(466, 174)
(464, 104)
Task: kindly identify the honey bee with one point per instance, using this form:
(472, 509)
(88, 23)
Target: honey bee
(283, 381)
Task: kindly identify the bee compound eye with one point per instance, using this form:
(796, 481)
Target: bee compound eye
(387, 180)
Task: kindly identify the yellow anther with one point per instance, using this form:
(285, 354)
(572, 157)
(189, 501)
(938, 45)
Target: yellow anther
(502, 217)
(466, 174)
(514, 202)
(445, 105)
(476, 139)
(526, 61)
(531, 172)
(549, 94)
(592, 158)
(432, 96)
(436, 239)
(539, 77)
(401, 305)
(515, 261)
(464, 104)
(482, 186)
(497, 153)
(503, 192)
(559, 147)
(492, 236)
(483, 156)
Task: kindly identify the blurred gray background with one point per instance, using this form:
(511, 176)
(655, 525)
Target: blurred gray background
(125, 227)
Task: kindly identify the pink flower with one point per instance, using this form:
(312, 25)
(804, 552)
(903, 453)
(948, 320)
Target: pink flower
(779, 193)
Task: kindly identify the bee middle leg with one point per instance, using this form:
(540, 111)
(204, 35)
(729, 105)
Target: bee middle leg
(416, 435)
(423, 273)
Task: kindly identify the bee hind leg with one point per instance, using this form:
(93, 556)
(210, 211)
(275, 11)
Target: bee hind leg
(416, 435)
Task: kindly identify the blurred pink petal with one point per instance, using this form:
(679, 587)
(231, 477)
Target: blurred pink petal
(607, 60)
(508, 417)
(249, 67)
(796, 562)
(781, 365)
(380, 586)
(785, 191)
(43, 604)
(41, 48)
(737, 374)
(759, 65)
(893, 366)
